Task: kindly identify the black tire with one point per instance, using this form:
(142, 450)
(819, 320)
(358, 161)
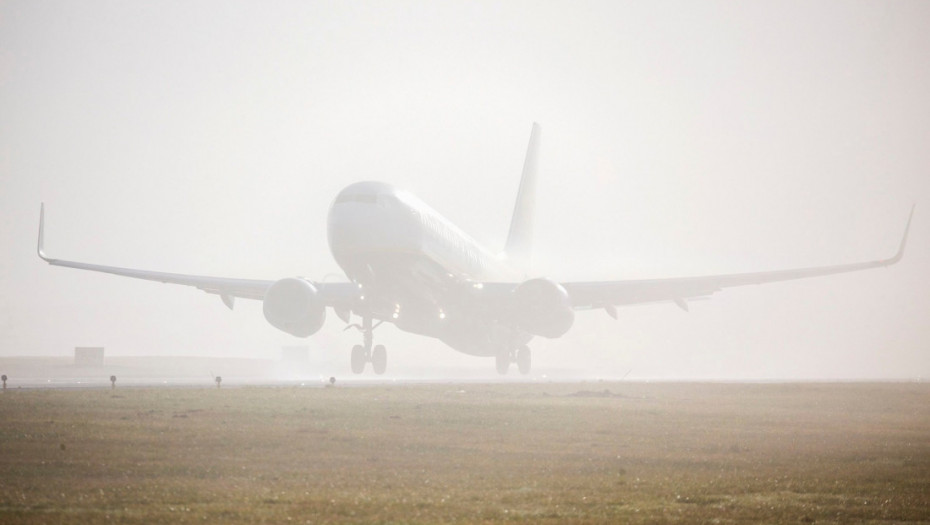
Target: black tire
(358, 359)
(524, 360)
(379, 359)
(502, 361)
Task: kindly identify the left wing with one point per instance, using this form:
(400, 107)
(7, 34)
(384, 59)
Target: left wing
(336, 295)
(608, 294)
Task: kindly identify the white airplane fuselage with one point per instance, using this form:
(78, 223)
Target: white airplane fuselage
(416, 269)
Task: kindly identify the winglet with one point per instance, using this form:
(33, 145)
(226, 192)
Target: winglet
(520, 237)
(897, 257)
(40, 248)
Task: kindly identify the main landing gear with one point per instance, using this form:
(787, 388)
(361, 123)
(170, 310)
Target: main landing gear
(521, 356)
(364, 353)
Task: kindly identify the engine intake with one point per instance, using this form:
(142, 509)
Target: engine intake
(294, 306)
(542, 307)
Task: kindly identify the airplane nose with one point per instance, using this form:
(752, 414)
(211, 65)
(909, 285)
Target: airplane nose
(354, 228)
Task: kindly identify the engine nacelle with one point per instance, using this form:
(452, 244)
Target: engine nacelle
(542, 307)
(294, 306)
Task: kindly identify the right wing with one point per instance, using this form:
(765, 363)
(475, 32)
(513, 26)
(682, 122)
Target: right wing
(336, 295)
(608, 294)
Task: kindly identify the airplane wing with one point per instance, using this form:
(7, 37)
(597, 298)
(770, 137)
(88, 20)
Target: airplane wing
(337, 295)
(608, 294)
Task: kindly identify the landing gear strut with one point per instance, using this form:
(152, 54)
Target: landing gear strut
(522, 356)
(364, 353)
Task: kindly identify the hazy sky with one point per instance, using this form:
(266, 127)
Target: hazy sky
(679, 138)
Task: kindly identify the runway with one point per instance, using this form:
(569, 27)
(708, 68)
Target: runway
(185, 371)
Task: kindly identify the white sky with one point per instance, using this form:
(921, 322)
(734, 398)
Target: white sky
(679, 138)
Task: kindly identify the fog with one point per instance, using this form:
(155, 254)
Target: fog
(679, 139)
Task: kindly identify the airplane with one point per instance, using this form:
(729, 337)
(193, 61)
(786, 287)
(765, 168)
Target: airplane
(408, 265)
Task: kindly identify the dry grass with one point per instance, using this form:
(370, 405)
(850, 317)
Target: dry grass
(468, 453)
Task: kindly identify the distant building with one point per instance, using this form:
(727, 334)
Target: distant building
(88, 356)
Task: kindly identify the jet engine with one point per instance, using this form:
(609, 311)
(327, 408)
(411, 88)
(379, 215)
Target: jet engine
(294, 306)
(542, 307)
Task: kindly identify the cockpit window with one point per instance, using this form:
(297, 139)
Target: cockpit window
(369, 198)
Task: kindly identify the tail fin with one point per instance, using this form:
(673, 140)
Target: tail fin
(520, 238)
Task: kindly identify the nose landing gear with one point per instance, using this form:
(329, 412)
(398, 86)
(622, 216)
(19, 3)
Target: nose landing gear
(522, 356)
(364, 353)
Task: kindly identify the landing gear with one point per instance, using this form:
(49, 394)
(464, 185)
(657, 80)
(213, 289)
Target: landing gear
(524, 360)
(358, 359)
(522, 356)
(502, 361)
(362, 354)
(379, 359)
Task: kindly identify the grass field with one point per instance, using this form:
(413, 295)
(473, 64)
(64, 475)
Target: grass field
(541, 453)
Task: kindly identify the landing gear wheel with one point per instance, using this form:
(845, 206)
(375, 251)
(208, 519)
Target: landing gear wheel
(502, 361)
(379, 359)
(524, 360)
(358, 359)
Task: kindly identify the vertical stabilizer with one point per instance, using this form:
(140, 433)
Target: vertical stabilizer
(520, 238)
